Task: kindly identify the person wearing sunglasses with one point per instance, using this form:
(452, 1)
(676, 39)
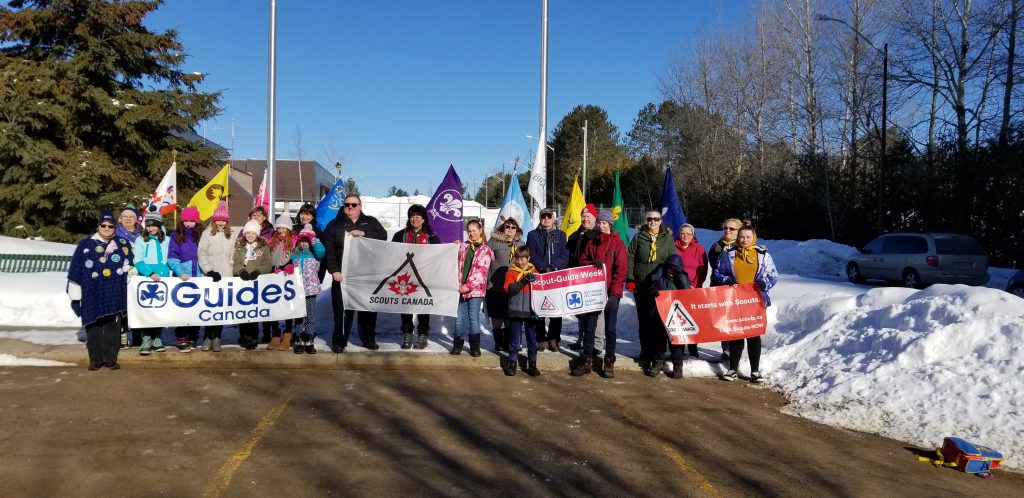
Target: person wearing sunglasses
(504, 241)
(98, 289)
(548, 252)
(730, 229)
(649, 249)
(354, 222)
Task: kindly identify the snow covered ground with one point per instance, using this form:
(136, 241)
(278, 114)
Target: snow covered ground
(912, 365)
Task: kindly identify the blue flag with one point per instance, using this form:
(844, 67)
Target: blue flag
(444, 211)
(671, 212)
(329, 206)
(514, 206)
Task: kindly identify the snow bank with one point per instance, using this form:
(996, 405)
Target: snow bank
(11, 245)
(7, 360)
(36, 300)
(912, 365)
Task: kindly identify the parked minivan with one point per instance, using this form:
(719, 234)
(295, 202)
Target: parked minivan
(920, 259)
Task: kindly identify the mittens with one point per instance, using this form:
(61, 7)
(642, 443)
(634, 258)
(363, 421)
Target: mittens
(289, 269)
(244, 275)
(214, 275)
(631, 287)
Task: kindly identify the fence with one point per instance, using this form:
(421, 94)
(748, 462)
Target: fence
(30, 263)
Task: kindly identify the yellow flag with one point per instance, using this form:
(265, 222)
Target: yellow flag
(206, 198)
(572, 218)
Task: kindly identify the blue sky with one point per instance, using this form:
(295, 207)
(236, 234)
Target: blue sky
(400, 89)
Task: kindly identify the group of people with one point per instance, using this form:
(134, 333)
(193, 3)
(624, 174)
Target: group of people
(494, 273)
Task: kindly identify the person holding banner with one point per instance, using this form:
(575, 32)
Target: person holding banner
(695, 262)
(151, 250)
(576, 244)
(474, 262)
(548, 253)
(744, 263)
(670, 276)
(503, 243)
(216, 252)
(183, 258)
(98, 290)
(650, 248)
(251, 259)
(730, 228)
(417, 231)
(520, 312)
(605, 250)
(357, 224)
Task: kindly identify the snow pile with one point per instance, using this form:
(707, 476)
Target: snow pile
(11, 245)
(36, 300)
(911, 365)
(7, 360)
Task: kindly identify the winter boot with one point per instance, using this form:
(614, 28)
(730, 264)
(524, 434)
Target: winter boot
(500, 340)
(457, 346)
(286, 341)
(657, 366)
(407, 341)
(756, 377)
(275, 343)
(298, 347)
(608, 371)
(677, 368)
(474, 345)
(583, 367)
(510, 368)
(206, 344)
(421, 341)
(146, 347)
(181, 344)
(729, 376)
(215, 345)
(531, 370)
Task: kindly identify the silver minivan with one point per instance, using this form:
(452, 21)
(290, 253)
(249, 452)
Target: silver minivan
(920, 259)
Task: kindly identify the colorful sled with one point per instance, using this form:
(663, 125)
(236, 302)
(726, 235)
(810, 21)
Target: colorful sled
(966, 457)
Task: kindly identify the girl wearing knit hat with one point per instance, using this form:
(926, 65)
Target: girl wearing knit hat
(251, 259)
(215, 259)
(306, 257)
(281, 245)
(151, 252)
(183, 258)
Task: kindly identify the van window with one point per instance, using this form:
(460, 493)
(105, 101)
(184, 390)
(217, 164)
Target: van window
(875, 247)
(905, 244)
(959, 246)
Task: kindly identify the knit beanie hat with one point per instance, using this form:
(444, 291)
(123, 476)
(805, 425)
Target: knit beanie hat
(306, 233)
(283, 221)
(252, 226)
(589, 208)
(190, 213)
(131, 208)
(606, 215)
(221, 213)
(106, 216)
(153, 218)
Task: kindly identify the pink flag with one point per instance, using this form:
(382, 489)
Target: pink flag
(261, 196)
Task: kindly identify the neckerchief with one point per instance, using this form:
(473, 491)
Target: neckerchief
(749, 253)
(654, 247)
(521, 272)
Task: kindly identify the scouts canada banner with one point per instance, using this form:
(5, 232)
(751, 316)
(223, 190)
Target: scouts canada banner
(392, 277)
(712, 314)
(569, 292)
(173, 302)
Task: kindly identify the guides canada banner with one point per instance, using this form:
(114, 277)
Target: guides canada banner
(569, 292)
(393, 277)
(173, 302)
(712, 314)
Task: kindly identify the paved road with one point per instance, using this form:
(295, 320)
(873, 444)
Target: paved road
(192, 432)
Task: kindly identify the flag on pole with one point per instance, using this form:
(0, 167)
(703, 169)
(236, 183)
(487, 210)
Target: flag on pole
(538, 186)
(671, 212)
(444, 211)
(514, 206)
(621, 225)
(572, 219)
(261, 198)
(165, 197)
(206, 198)
(330, 205)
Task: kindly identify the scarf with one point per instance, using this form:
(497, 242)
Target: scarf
(654, 247)
(521, 272)
(413, 236)
(749, 253)
(250, 252)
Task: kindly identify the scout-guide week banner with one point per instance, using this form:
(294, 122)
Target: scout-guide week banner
(392, 277)
(173, 302)
(569, 292)
(712, 314)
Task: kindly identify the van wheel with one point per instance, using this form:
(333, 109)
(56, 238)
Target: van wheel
(911, 279)
(1018, 290)
(853, 273)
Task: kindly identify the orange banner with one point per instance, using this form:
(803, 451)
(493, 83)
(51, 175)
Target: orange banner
(712, 314)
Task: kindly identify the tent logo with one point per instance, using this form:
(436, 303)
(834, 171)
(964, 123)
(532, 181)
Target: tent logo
(547, 305)
(403, 285)
(679, 322)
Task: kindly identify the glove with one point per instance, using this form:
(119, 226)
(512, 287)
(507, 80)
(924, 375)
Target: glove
(76, 306)
(598, 264)
(244, 275)
(631, 287)
(214, 275)
(655, 292)
(277, 270)
(289, 269)
(530, 277)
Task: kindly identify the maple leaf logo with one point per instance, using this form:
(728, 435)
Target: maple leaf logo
(403, 285)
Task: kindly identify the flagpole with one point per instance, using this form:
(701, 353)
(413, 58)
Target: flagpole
(542, 152)
(272, 109)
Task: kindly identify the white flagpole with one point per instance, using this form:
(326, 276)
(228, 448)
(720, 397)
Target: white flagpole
(272, 110)
(542, 150)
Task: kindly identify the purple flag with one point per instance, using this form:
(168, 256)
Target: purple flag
(444, 211)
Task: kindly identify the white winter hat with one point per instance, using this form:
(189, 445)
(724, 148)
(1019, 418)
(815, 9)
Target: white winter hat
(283, 221)
(252, 226)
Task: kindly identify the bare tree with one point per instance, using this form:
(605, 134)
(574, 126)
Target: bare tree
(299, 151)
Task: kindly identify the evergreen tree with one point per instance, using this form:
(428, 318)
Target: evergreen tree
(351, 187)
(93, 105)
(604, 155)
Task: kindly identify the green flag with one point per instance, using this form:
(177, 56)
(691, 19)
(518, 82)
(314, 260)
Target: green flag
(618, 213)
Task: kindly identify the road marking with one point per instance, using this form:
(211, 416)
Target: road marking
(231, 466)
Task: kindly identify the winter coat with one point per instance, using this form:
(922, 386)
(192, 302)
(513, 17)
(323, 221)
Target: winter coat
(577, 242)
(216, 252)
(639, 265)
(518, 289)
(183, 258)
(477, 280)
(714, 254)
(765, 278)
(98, 277)
(151, 256)
(426, 236)
(608, 249)
(261, 263)
(334, 237)
(307, 264)
(669, 275)
(547, 249)
(503, 249)
(695, 261)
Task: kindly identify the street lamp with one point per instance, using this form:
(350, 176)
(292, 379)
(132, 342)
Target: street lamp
(885, 106)
(552, 149)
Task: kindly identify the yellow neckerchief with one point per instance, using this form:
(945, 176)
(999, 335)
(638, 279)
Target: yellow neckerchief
(748, 254)
(522, 271)
(478, 242)
(511, 250)
(726, 244)
(654, 246)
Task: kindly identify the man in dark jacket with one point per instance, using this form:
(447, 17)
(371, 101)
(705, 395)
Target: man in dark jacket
(417, 231)
(354, 222)
(548, 253)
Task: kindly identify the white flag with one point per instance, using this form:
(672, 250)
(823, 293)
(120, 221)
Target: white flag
(538, 186)
(165, 197)
(392, 277)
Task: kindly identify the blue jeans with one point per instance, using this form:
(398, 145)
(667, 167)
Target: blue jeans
(516, 326)
(469, 316)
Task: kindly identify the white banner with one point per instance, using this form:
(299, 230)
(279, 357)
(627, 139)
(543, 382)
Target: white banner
(569, 292)
(173, 302)
(393, 277)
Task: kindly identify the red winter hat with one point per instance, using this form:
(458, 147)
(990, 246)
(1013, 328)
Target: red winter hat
(221, 213)
(307, 233)
(589, 208)
(190, 213)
